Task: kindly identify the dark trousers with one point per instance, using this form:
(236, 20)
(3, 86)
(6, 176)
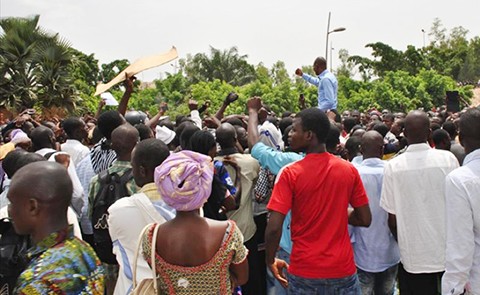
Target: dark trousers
(419, 284)
(253, 286)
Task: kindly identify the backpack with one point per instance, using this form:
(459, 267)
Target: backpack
(112, 188)
(13, 255)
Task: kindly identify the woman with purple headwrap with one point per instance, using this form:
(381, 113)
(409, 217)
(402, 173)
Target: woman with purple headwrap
(194, 255)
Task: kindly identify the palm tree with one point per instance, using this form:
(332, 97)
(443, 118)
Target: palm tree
(34, 66)
(227, 65)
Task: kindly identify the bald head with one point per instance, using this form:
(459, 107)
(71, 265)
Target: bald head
(124, 138)
(33, 210)
(226, 135)
(417, 127)
(372, 145)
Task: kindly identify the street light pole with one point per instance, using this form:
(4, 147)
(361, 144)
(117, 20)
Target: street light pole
(423, 31)
(340, 29)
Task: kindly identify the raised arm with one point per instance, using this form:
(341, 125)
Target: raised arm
(122, 106)
(161, 111)
(231, 97)
(254, 104)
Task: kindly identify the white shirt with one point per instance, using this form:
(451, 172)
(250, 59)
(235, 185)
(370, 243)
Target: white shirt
(77, 202)
(76, 150)
(462, 193)
(270, 135)
(414, 190)
(127, 218)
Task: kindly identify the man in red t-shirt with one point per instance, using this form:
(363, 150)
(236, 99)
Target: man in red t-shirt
(318, 189)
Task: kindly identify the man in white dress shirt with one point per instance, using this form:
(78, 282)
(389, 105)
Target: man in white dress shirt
(413, 195)
(76, 133)
(128, 216)
(463, 213)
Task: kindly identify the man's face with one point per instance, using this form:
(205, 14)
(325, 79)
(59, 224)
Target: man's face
(83, 130)
(18, 212)
(363, 119)
(296, 136)
(136, 169)
(356, 116)
(388, 122)
(317, 68)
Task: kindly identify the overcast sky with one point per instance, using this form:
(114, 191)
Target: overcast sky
(265, 30)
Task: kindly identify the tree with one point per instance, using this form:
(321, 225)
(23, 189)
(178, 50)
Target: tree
(34, 66)
(227, 65)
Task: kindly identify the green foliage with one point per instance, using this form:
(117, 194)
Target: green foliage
(227, 65)
(34, 66)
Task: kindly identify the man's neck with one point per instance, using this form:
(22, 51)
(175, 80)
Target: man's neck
(228, 151)
(316, 149)
(47, 229)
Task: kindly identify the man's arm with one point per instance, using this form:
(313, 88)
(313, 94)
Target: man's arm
(460, 246)
(194, 114)
(161, 111)
(254, 104)
(360, 216)
(231, 97)
(122, 106)
(273, 234)
(392, 224)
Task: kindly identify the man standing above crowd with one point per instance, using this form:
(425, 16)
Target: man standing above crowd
(463, 214)
(413, 194)
(325, 81)
(376, 251)
(318, 189)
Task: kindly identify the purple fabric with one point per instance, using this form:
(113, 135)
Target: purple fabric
(184, 180)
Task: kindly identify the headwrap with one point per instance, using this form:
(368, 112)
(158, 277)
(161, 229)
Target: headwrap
(184, 180)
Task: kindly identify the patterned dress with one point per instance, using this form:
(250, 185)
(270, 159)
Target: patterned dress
(61, 264)
(212, 277)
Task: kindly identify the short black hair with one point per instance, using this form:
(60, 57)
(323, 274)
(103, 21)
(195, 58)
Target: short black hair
(144, 131)
(451, 128)
(284, 123)
(470, 124)
(315, 120)
(333, 137)
(150, 153)
(202, 142)
(187, 133)
(381, 128)
(71, 124)
(41, 137)
(439, 135)
(108, 121)
(389, 116)
(353, 145)
(349, 123)
(16, 159)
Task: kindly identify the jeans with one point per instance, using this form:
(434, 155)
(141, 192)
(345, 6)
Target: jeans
(342, 286)
(379, 283)
(277, 288)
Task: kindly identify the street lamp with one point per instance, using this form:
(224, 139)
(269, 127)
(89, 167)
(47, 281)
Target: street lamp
(423, 31)
(340, 29)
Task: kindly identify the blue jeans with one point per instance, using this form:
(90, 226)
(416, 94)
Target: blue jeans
(379, 283)
(342, 286)
(277, 288)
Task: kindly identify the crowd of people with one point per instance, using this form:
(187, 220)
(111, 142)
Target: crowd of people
(314, 202)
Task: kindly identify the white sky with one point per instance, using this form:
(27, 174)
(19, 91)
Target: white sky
(266, 30)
